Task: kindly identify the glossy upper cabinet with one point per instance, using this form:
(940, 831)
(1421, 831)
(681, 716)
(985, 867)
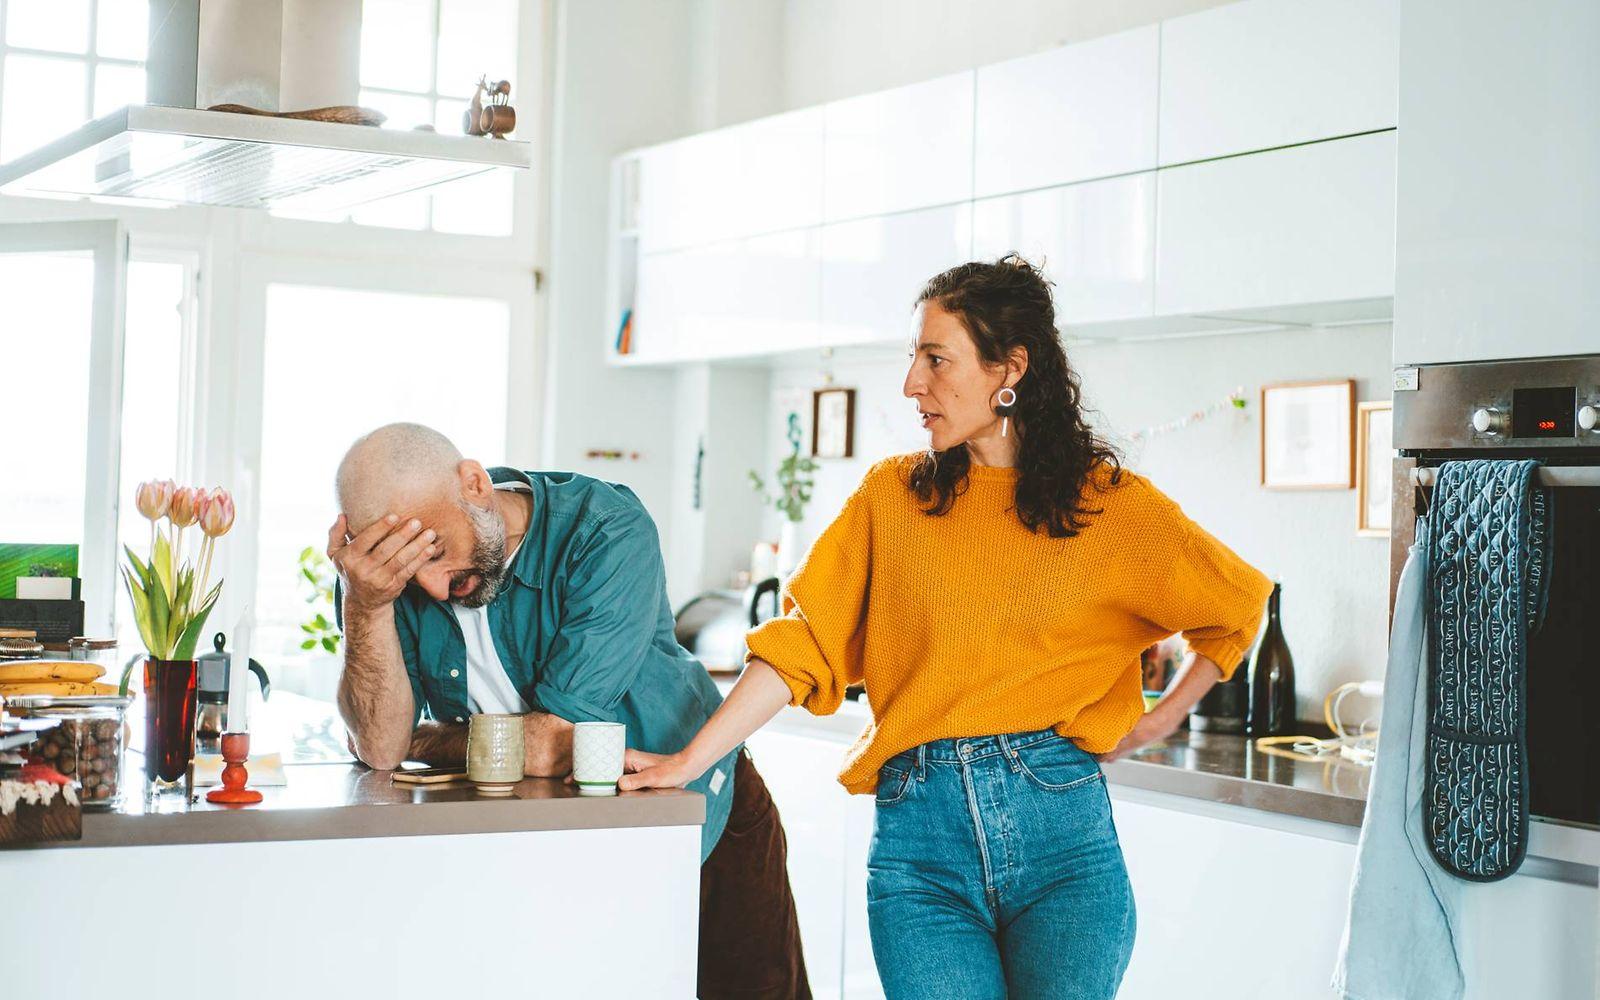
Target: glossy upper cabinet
(1306, 225)
(1499, 215)
(683, 188)
(755, 178)
(1069, 114)
(656, 306)
(899, 149)
(779, 182)
(872, 270)
(1095, 241)
(734, 298)
(1267, 73)
(777, 291)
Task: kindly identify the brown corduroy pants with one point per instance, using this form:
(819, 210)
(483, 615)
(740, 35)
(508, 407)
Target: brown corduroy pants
(749, 933)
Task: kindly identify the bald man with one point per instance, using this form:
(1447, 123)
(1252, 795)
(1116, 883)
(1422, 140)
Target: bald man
(466, 590)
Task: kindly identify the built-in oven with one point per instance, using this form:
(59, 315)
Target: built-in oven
(1547, 409)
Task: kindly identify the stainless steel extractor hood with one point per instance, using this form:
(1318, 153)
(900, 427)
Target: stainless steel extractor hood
(274, 55)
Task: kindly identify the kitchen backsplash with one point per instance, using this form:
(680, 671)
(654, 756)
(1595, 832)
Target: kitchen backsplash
(1335, 583)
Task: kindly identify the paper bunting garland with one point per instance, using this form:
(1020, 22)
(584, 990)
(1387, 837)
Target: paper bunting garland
(1235, 400)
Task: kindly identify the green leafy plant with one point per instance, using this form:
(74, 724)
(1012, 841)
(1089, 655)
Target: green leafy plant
(172, 596)
(316, 577)
(794, 478)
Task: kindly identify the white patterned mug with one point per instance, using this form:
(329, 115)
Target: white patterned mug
(597, 751)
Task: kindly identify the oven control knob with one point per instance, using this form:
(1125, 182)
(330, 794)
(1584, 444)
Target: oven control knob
(1489, 420)
(1589, 417)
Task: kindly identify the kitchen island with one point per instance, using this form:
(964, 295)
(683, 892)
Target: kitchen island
(343, 883)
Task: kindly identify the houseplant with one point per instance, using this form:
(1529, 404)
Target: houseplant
(172, 597)
(795, 482)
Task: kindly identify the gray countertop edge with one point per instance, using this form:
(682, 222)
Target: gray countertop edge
(356, 821)
(1285, 800)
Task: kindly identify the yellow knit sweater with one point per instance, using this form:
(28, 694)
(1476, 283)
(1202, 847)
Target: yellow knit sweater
(968, 624)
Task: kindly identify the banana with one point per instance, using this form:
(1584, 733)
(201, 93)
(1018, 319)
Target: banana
(10, 689)
(30, 671)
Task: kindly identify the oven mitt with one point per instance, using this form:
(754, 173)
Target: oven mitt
(1488, 563)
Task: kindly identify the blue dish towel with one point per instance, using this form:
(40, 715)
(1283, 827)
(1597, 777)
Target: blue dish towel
(1400, 936)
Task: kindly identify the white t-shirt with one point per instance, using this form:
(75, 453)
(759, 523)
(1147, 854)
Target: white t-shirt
(489, 687)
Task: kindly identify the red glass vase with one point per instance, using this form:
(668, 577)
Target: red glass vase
(169, 714)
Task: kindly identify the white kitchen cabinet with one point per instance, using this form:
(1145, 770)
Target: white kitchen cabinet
(660, 214)
(684, 192)
(1237, 903)
(801, 772)
(776, 291)
(758, 177)
(1266, 73)
(656, 306)
(872, 270)
(778, 185)
(860, 970)
(1068, 114)
(1499, 214)
(736, 298)
(1310, 224)
(1095, 241)
(899, 149)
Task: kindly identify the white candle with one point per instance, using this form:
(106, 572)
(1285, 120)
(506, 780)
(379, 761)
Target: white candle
(239, 674)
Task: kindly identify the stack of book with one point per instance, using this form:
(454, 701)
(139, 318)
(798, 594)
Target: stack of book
(40, 591)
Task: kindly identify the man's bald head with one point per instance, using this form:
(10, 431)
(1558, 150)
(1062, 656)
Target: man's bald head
(397, 467)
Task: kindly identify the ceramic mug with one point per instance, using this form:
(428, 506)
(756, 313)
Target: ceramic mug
(494, 753)
(597, 751)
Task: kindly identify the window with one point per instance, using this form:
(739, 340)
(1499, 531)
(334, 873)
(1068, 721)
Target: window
(388, 344)
(46, 330)
(157, 340)
(63, 62)
(420, 61)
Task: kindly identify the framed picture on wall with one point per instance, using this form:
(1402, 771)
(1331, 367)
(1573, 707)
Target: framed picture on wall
(1374, 476)
(1308, 435)
(833, 423)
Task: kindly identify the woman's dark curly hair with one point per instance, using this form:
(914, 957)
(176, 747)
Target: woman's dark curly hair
(1005, 305)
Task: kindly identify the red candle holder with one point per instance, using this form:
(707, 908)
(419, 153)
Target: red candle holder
(235, 751)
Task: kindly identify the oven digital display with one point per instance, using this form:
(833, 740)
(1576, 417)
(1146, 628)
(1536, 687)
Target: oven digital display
(1543, 413)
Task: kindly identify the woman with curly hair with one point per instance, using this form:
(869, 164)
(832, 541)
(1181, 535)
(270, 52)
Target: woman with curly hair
(993, 593)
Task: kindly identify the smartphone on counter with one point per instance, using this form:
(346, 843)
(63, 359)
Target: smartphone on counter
(429, 775)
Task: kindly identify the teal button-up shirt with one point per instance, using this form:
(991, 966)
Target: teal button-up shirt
(583, 629)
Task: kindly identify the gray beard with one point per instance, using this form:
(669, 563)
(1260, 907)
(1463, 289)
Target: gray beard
(488, 555)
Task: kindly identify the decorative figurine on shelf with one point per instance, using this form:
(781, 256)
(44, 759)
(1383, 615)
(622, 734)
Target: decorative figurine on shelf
(494, 117)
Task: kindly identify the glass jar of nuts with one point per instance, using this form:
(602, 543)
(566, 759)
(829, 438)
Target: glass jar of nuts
(88, 745)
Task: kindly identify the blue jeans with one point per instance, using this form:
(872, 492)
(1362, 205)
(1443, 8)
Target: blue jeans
(995, 871)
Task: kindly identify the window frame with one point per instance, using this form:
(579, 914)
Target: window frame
(90, 59)
(261, 271)
(234, 255)
(106, 241)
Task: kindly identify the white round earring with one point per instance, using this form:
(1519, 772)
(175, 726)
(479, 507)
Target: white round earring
(1002, 402)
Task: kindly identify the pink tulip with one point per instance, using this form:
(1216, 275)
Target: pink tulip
(154, 497)
(216, 512)
(185, 507)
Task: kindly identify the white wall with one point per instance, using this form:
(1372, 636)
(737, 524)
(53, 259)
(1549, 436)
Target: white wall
(1335, 603)
(623, 78)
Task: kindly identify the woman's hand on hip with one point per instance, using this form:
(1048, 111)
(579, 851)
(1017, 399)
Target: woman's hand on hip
(654, 770)
(1152, 726)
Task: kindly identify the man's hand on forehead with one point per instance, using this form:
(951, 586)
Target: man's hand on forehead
(376, 562)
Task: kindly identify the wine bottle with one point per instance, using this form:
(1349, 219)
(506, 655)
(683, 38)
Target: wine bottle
(1272, 678)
